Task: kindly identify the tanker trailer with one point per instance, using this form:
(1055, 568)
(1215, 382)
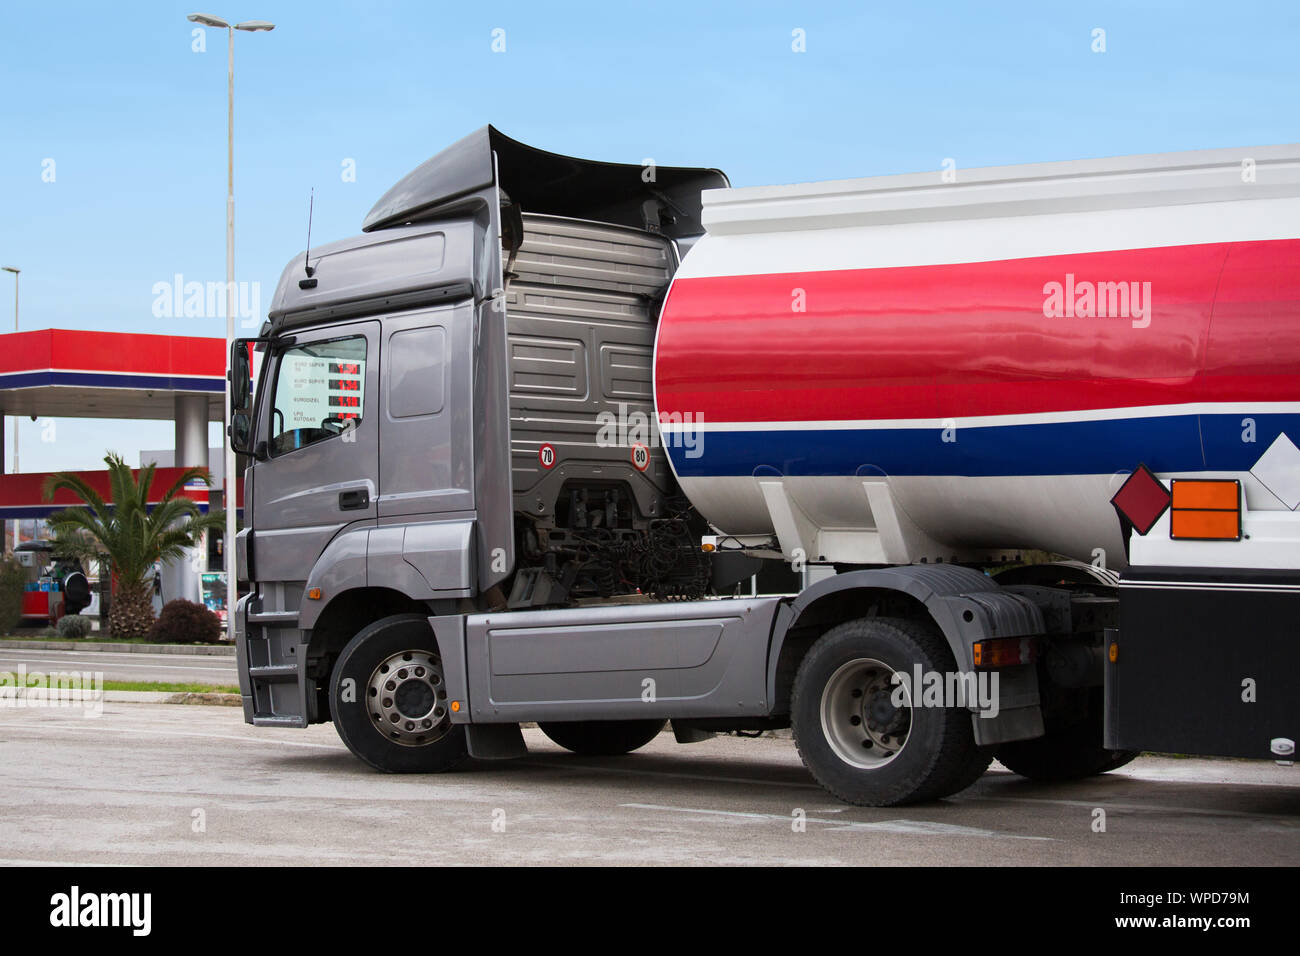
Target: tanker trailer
(1098, 359)
(511, 445)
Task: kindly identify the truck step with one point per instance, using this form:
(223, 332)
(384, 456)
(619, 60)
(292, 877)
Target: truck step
(273, 617)
(273, 720)
(274, 672)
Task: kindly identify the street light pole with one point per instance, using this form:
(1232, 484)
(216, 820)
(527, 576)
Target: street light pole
(230, 482)
(15, 271)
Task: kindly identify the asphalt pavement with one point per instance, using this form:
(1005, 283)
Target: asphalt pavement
(172, 784)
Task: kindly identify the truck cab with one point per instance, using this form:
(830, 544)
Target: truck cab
(425, 430)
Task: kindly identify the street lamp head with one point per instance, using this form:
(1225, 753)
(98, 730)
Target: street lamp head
(253, 26)
(12, 269)
(208, 20)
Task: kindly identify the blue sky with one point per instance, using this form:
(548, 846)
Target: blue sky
(134, 119)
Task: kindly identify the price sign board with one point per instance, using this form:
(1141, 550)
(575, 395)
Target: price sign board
(320, 387)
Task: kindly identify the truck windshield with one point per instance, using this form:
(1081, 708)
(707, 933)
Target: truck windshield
(319, 393)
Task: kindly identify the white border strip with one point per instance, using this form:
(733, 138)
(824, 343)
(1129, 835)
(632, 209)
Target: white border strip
(1211, 586)
(992, 421)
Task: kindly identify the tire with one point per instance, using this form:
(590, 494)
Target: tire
(76, 594)
(422, 739)
(853, 662)
(1068, 752)
(602, 738)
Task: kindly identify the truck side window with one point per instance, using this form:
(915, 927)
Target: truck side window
(319, 393)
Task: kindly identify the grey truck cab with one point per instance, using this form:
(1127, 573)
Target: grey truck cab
(438, 548)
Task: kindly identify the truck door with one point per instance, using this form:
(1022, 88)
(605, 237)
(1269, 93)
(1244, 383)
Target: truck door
(427, 455)
(321, 435)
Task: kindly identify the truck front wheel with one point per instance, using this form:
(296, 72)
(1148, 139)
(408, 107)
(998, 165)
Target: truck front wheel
(863, 734)
(388, 699)
(602, 738)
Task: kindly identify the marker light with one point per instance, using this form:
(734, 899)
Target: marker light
(314, 594)
(1206, 510)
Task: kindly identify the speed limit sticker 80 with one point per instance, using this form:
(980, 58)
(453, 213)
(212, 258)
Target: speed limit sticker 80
(640, 456)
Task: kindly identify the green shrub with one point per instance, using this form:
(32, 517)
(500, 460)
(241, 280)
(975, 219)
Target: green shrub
(184, 622)
(13, 577)
(73, 626)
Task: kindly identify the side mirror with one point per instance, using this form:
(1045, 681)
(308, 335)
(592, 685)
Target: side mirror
(241, 427)
(241, 377)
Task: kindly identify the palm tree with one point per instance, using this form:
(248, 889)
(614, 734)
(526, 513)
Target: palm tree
(132, 534)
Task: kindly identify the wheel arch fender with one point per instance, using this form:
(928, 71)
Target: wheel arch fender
(966, 605)
(424, 561)
(1058, 573)
(341, 567)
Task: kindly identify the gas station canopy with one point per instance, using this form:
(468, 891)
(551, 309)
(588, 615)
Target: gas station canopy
(60, 373)
(21, 495)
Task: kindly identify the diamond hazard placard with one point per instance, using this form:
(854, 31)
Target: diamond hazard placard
(1142, 499)
(1278, 470)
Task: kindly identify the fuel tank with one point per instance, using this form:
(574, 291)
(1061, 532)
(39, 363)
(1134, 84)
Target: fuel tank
(949, 365)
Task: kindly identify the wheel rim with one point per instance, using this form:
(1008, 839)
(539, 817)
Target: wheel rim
(859, 719)
(406, 699)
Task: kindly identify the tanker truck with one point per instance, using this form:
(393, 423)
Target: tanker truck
(518, 450)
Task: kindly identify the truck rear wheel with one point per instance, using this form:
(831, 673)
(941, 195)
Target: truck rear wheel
(388, 699)
(602, 738)
(1068, 752)
(859, 733)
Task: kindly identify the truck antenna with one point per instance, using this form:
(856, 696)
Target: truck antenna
(311, 206)
(309, 282)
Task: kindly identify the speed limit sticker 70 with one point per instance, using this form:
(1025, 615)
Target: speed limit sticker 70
(546, 455)
(640, 456)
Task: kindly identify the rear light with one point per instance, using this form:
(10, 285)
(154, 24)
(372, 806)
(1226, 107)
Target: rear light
(1005, 652)
(1205, 510)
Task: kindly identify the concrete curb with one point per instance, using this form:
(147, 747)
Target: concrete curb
(206, 698)
(200, 650)
(136, 696)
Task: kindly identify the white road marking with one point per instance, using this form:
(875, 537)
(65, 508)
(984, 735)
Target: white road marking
(18, 652)
(1109, 805)
(120, 655)
(915, 827)
(17, 862)
(103, 664)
